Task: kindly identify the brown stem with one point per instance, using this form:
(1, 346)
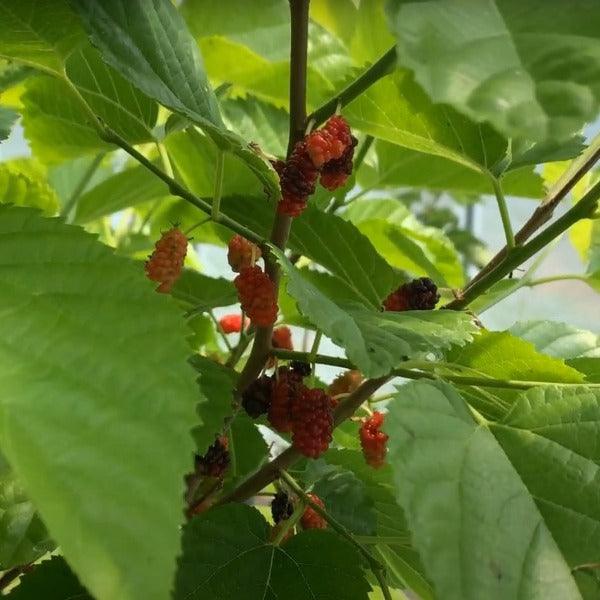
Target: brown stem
(282, 223)
(544, 212)
(264, 476)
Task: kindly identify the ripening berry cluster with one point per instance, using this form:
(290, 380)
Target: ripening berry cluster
(256, 291)
(373, 440)
(216, 460)
(166, 262)
(418, 294)
(311, 519)
(327, 152)
(293, 408)
(282, 508)
(232, 323)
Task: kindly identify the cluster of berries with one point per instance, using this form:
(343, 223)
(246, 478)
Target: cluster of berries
(216, 460)
(282, 508)
(327, 152)
(293, 408)
(418, 294)
(164, 265)
(255, 289)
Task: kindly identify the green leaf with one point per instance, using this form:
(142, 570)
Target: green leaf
(374, 341)
(38, 33)
(258, 122)
(112, 98)
(23, 536)
(216, 384)
(247, 449)
(130, 187)
(400, 167)
(21, 186)
(346, 499)
(194, 157)
(501, 355)
(203, 292)
(7, 120)
(558, 339)
(66, 298)
(550, 437)
(502, 66)
(473, 520)
(56, 125)
(395, 109)
(51, 580)
(393, 542)
(590, 367)
(150, 45)
(226, 550)
(407, 243)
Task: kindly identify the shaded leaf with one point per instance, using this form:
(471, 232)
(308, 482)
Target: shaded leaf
(226, 551)
(203, 292)
(503, 68)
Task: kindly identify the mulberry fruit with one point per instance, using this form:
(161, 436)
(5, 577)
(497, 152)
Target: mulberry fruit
(282, 507)
(216, 460)
(257, 296)
(311, 519)
(166, 262)
(418, 294)
(242, 253)
(311, 421)
(301, 369)
(232, 323)
(256, 398)
(343, 384)
(330, 142)
(373, 440)
(282, 338)
(335, 173)
(286, 385)
(298, 179)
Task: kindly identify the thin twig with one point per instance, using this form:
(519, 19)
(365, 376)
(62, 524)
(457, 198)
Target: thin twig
(81, 185)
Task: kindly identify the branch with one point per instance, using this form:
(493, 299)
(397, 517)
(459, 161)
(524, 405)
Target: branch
(375, 72)
(82, 184)
(584, 209)
(112, 137)
(544, 212)
(411, 373)
(282, 223)
(264, 476)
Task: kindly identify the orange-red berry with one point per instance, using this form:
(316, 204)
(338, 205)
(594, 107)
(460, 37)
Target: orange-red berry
(232, 323)
(166, 262)
(242, 253)
(298, 178)
(282, 338)
(373, 440)
(330, 142)
(345, 383)
(257, 296)
(311, 519)
(335, 173)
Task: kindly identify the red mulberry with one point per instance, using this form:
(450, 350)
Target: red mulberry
(418, 294)
(286, 385)
(242, 253)
(166, 262)
(257, 296)
(373, 440)
(330, 142)
(335, 173)
(311, 519)
(232, 323)
(216, 460)
(298, 179)
(312, 422)
(282, 338)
